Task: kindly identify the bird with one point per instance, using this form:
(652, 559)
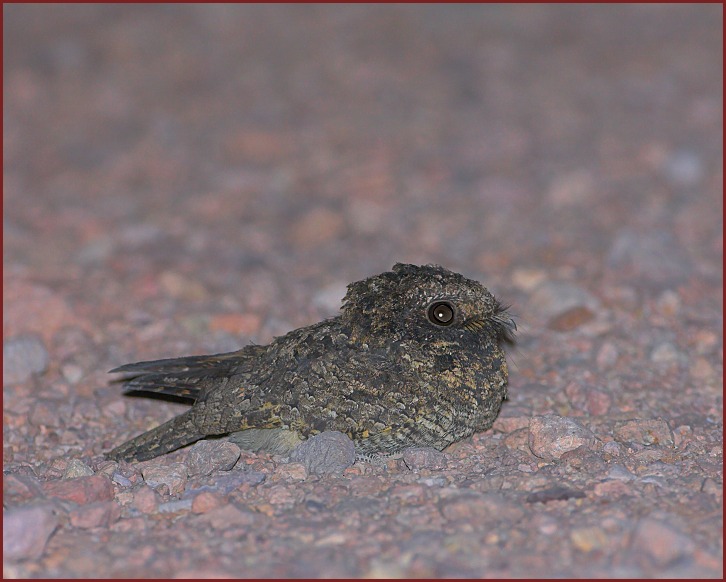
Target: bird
(416, 357)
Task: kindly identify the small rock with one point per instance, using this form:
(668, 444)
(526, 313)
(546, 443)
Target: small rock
(552, 436)
(597, 402)
(23, 356)
(656, 257)
(571, 319)
(644, 432)
(77, 468)
(206, 457)
(97, 514)
(146, 500)
(665, 354)
(72, 373)
(228, 516)
(479, 507)
(45, 414)
(121, 480)
(660, 542)
(224, 483)
(587, 539)
(327, 452)
(206, 501)
(416, 458)
(612, 448)
(291, 472)
(620, 473)
(81, 490)
(26, 531)
(176, 506)
(20, 488)
(553, 298)
(173, 475)
(607, 356)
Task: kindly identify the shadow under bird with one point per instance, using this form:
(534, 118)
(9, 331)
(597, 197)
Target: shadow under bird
(414, 359)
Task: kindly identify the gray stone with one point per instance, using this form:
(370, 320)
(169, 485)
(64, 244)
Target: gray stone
(174, 476)
(205, 457)
(23, 356)
(552, 436)
(327, 452)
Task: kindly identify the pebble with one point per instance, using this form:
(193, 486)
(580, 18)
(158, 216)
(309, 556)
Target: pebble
(173, 475)
(77, 468)
(656, 257)
(146, 500)
(607, 356)
(666, 354)
(20, 488)
(416, 458)
(571, 319)
(176, 506)
(644, 432)
(620, 473)
(659, 541)
(97, 514)
(612, 448)
(553, 298)
(228, 516)
(589, 538)
(479, 507)
(206, 501)
(291, 472)
(224, 483)
(81, 490)
(121, 480)
(72, 373)
(26, 531)
(206, 457)
(23, 356)
(324, 453)
(552, 436)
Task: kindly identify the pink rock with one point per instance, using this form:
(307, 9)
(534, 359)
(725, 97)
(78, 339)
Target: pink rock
(552, 436)
(146, 500)
(26, 531)
(206, 501)
(98, 514)
(82, 490)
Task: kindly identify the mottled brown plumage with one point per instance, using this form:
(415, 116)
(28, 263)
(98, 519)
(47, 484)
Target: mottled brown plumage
(414, 359)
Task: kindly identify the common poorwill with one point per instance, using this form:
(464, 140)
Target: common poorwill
(414, 359)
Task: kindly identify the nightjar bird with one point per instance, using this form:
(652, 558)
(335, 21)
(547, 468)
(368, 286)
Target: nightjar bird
(415, 358)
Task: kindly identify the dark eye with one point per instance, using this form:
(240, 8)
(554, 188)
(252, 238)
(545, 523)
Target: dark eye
(441, 313)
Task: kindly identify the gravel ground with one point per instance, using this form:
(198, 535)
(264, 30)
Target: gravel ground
(186, 179)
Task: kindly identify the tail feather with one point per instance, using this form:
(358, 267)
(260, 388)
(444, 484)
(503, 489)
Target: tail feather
(163, 439)
(185, 377)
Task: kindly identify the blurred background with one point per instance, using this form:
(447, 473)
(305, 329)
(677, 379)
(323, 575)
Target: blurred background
(232, 167)
(184, 179)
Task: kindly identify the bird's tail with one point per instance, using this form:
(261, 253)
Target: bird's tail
(163, 439)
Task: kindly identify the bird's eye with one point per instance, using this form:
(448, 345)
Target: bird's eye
(441, 313)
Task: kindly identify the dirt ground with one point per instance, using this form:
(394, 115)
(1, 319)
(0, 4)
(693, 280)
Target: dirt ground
(187, 179)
